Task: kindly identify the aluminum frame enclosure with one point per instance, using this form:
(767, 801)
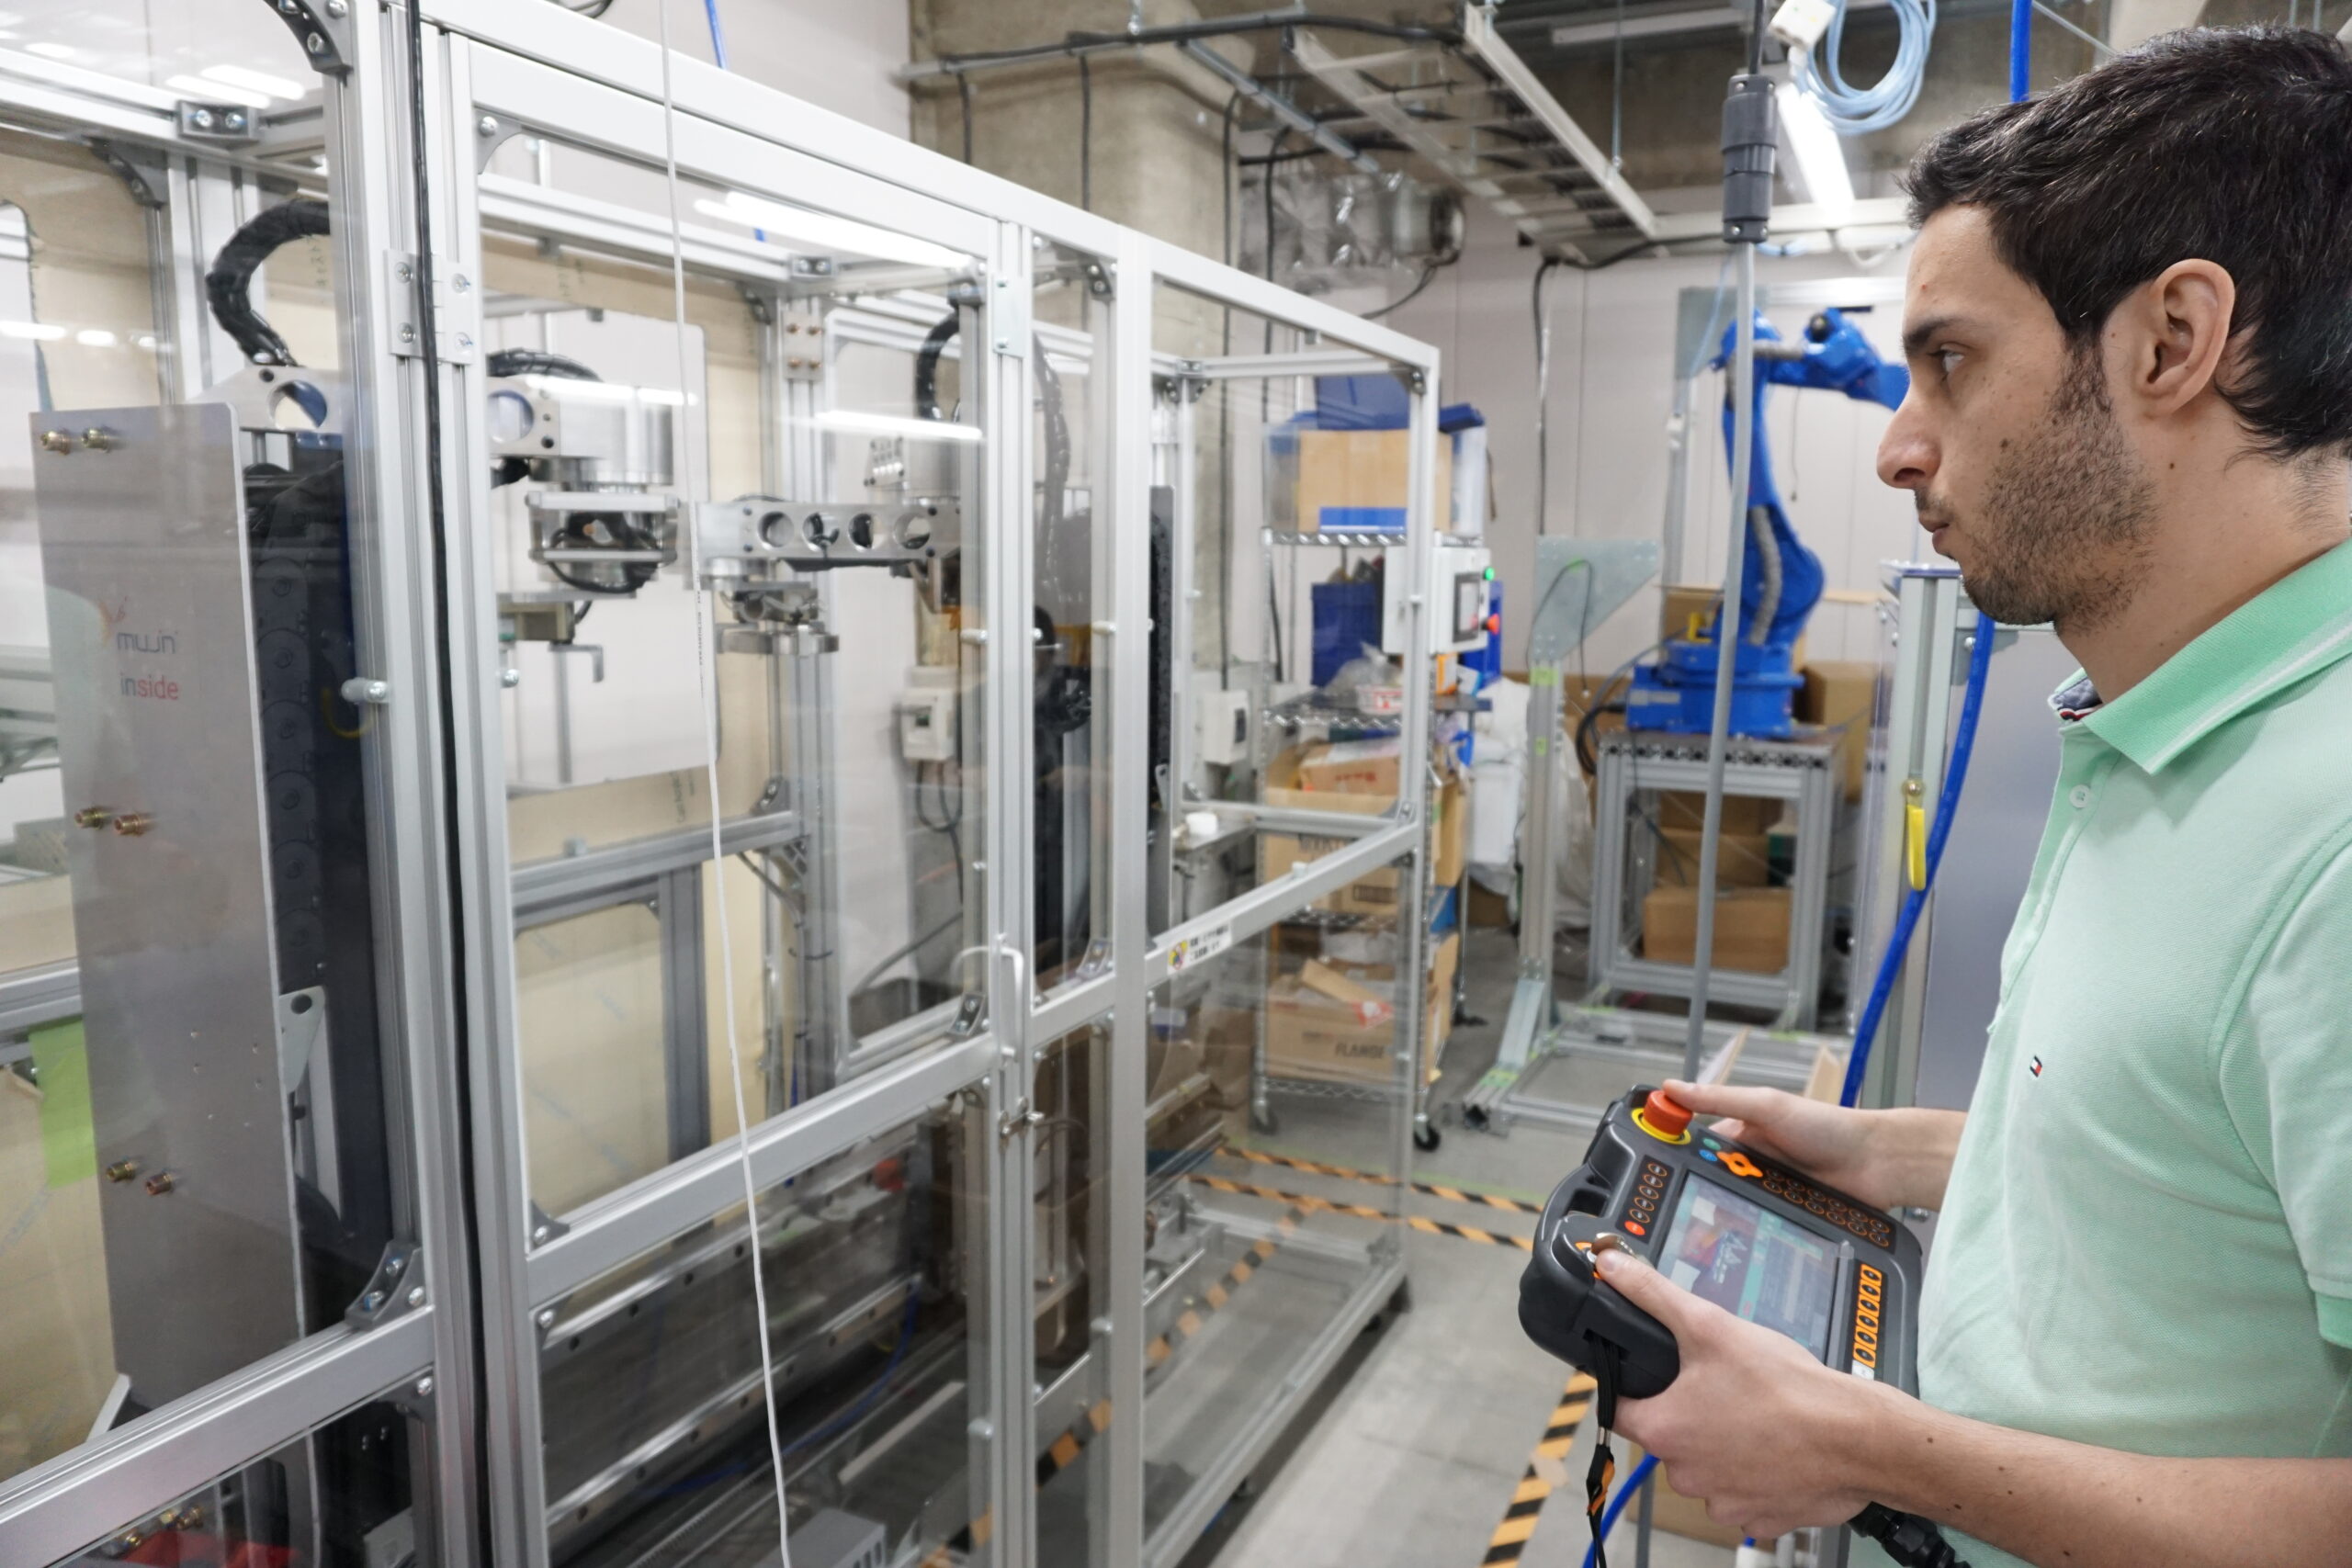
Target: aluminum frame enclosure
(464, 1360)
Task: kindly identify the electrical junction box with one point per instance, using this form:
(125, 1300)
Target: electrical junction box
(926, 709)
(1220, 726)
(1458, 623)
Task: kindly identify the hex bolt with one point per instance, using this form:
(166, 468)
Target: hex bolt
(56, 441)
(315, 44)
(233, 120)
(486, 126)
(122, 1170)
(408, 333)
(416, 1295)
(201, 118)
(371, 1302)
(547, 1317)
(163, 1182)
(538, 1235)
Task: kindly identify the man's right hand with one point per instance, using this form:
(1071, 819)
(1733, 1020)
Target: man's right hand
(1891, 1159)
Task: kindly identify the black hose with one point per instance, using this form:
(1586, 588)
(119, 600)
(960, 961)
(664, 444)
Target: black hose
(537, 361)
(229, 286)
(934, 343)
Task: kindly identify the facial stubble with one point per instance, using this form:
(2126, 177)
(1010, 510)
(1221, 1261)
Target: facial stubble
(2067, 515)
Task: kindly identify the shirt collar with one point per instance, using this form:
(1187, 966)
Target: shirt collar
(2294, 628)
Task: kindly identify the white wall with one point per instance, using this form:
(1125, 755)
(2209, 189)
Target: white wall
(1612, 392)
(837, 54)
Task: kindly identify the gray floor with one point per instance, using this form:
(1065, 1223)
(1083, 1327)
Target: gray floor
(1417, 1445)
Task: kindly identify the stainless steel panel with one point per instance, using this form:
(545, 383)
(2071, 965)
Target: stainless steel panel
(152, 630)
(2011, 777)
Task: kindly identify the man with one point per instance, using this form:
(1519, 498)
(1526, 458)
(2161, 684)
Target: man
(2129, 322)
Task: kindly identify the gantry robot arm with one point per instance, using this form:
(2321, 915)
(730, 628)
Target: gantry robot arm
(1783, 581)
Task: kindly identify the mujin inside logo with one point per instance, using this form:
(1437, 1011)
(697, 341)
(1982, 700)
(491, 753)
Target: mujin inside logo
(153, 687)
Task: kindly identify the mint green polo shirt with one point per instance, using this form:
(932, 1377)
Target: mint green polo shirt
(2147, 1240)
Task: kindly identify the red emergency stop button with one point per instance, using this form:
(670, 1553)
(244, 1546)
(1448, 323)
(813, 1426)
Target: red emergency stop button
(1664, 1116)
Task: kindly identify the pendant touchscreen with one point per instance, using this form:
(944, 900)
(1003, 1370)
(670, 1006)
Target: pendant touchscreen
(1727, 1224)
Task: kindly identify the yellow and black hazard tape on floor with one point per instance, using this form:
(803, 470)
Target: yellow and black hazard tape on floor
(1429, 1189)
(1537, 1483)
(1188, 1322)
(1365, 1212)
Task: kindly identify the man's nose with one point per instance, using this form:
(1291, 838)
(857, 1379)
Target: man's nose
(1906, 453)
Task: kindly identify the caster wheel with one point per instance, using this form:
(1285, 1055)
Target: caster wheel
(1426, 1137)
(1264, 1122)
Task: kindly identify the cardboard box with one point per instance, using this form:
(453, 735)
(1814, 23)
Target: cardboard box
(1357, 479)
(1368, 768)
(1751, 928)
(1686, 811)
(1310, 778)
(1843, 691)
(1450, 833)
(1487, 908)
(1676, 1515)
(1312, 1031)
(1374, 893)
(1742, 860)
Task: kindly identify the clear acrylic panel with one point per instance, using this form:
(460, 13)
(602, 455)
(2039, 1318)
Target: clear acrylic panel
(1070, 1222)
(739, 503)
(1283, 685)
(1070, 670)
(657, 1441)
(196, 1168)
(344, 1494)
(1285, 1051)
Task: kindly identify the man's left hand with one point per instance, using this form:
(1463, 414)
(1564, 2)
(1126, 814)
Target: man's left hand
(1753, 1426)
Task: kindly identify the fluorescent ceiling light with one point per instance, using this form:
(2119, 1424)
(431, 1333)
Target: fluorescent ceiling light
(259, 81)
(208, 91)
(1820, 159)
(145, 340)
(800, 229)
(96, 337)
(851, 422)
(50, 50)
(40, 331)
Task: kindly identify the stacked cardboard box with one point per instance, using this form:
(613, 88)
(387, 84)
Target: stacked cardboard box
(1336, 1022)
(1358, 479)
(1751, 928)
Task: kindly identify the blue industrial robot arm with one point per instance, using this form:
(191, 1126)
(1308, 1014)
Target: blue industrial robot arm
(1783, 580)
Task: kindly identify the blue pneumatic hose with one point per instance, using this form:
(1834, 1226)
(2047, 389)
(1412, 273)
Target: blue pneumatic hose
(1963, 742)
(1617, 1505)
(2020, 48)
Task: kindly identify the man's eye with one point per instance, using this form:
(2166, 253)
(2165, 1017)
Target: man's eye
(1947, 360)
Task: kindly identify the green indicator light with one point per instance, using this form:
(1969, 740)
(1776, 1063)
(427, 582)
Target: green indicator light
(1490, 574)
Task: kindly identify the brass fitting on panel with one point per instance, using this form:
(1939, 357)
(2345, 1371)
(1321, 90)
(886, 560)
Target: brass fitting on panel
(131, 824)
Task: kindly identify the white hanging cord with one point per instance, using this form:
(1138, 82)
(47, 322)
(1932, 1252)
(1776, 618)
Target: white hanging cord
(706, 639)
(1814, 32)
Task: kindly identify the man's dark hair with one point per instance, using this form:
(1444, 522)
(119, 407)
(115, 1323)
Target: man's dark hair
(2228, 146)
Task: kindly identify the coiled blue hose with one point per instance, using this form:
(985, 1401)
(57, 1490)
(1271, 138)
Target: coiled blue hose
(1853, 111)
(1963, 743)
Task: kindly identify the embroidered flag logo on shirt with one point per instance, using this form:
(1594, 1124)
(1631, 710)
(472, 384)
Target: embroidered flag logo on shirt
(2036, 1067)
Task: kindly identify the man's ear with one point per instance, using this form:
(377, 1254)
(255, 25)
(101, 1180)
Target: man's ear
(2171, 335)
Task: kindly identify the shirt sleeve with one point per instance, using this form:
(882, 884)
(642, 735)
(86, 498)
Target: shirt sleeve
(2285, 1068)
